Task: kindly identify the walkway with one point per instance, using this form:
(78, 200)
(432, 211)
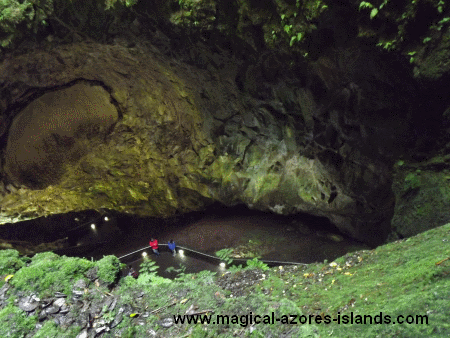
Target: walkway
(193, 261)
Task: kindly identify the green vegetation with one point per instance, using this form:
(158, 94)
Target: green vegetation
(225, 255)
(11, 262)
(109, 268)
(22, 18)
(408, 278)
(15, 322)
(50, 329)
(48, 273)
(180, 271)
(373, 10)
(255, 263)
(402, 19)
(148, 274)
(15, 15)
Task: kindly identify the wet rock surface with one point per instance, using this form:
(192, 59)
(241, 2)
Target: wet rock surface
(241, 119)
(283, 152)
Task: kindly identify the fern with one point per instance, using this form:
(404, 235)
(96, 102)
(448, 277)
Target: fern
(235, 268)
(365, 4)
(255, 263)
(180, 271)
(224, 255)
(148, 267)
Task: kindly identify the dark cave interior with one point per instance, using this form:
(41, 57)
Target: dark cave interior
(300, 237)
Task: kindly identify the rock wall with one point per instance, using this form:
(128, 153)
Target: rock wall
(185, 137)
(200, 117)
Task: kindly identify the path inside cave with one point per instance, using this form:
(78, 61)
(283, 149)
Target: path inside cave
(299, 238)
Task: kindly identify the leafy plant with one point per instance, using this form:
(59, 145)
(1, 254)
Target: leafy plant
(411, 60)
(206, 276)
(389, 45)
(109, 316)
(255, 263)
(148, 267)
(374, 10)
(225, 254)
(235, 268)
(365, 4)
(296, 38)
(111, 3)
(180, 271)
(108, 269)
(440, 6)
(148, 274)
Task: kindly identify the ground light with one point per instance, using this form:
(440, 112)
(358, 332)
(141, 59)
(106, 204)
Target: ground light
(106, 218)
(93, 226)
(144, 254)
(222, 264)
(181, 252)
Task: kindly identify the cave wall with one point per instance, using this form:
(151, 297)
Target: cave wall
(49, 132)
(212, 118)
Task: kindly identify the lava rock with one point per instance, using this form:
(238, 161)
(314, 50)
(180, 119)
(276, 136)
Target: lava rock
(117, 320)
(80, 285)
(166, 322)
(101, 329)
(113, 304)
(92, 274)
(52, 310)
(42, 316)
(77, 294)
(59, 302)
(3, 290)
(82, 334)
(28, 304)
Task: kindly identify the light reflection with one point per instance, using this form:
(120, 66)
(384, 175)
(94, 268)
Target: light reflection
(93, 226)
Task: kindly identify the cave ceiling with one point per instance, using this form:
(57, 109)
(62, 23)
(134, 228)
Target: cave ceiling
(154, 129)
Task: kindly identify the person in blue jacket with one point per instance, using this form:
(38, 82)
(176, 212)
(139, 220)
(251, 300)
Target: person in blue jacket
(172, 247)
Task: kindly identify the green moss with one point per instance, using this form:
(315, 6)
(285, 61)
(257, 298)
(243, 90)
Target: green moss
(422, 196)
(51, 330)
(11, 261)
(48, 273)
(405, 278)
(15, 323)
(108, 269)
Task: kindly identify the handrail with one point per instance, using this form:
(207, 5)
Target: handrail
(215, 257)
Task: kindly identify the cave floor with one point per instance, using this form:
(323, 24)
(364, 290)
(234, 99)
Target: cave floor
(249, 233)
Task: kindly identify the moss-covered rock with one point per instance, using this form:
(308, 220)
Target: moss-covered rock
(400, 289)
(11, 261)
(422, 193)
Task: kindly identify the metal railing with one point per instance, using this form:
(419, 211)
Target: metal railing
(215, 258)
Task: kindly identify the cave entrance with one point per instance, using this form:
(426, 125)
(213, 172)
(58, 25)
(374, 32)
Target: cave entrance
(249, 233)
(295, 238)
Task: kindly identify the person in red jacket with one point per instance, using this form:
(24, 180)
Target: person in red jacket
(154, 245)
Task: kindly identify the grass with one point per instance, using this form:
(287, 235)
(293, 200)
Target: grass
(406, 278)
